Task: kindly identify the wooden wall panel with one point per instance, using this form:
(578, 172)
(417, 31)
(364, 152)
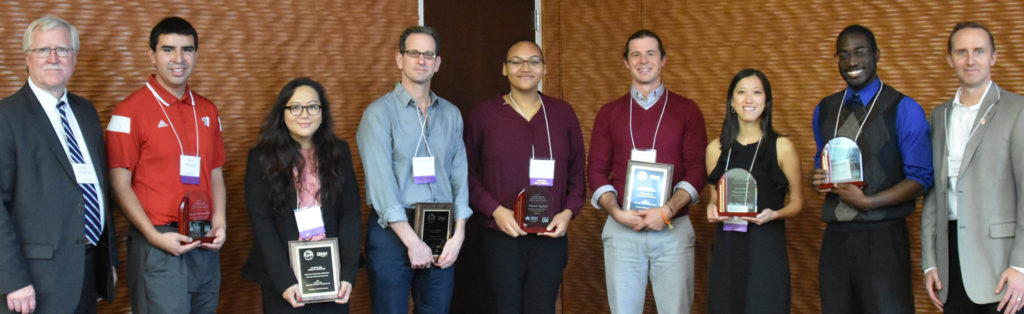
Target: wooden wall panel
(247, 51)
(793, 43)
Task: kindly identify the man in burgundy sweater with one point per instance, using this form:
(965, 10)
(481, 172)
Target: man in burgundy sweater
(648, 124)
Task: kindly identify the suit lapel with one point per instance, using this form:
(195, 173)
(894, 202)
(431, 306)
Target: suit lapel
(981, 122)
(939, 130)
(43, 127)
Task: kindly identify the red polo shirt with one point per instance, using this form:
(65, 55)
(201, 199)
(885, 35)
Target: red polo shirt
(145, 139)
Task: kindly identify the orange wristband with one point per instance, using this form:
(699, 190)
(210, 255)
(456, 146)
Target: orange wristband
(667, 222)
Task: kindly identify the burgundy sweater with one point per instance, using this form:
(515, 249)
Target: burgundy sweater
(498, 142)
(681, 141)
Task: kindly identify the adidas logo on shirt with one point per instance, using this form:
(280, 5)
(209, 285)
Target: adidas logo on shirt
(162, 124)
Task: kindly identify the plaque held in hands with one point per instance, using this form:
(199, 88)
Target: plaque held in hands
(531, 209)
(737, 194)
(317, 266)
(195, 213)
(648, 185)
(841, 158)
(433, 223)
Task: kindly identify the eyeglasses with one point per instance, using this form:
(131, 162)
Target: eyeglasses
(296, 110)
(429, 55)
(45, 51)
(517, 63)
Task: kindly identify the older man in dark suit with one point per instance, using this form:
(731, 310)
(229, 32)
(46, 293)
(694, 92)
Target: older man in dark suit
(56, 235)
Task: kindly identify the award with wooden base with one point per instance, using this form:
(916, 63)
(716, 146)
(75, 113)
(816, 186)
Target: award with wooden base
(737, 194)
(194, 216)
(316, 265)
(531, 209)
(648, 185)
(433, 223)
(841, 157)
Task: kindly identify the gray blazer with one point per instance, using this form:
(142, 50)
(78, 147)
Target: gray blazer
(42, 216)
(990, 182)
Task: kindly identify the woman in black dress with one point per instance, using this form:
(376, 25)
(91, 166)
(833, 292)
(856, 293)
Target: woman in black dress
(300, 170)
(749, 270)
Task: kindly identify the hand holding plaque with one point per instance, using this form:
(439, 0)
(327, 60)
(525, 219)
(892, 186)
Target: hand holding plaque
(195, 213)
(841, 158)
(737, 194)
(317, 266)
(433, 223)
(648, 185)
(532, 210)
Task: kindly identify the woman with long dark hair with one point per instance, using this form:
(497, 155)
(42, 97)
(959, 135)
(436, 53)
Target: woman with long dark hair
(300, 174)
(749, 270)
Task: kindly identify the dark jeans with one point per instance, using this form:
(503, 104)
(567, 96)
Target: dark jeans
(392, 278)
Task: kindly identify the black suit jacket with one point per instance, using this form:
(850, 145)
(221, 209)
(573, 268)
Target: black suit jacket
(272, 228)
(42, 215)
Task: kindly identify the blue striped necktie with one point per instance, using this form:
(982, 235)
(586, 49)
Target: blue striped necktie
(92, 205)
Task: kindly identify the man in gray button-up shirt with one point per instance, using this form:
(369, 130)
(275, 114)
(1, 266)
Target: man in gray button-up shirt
(411, 121)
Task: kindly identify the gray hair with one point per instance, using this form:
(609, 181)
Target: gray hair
(47, 23)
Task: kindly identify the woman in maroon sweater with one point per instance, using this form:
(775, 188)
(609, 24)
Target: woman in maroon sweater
(507, 138)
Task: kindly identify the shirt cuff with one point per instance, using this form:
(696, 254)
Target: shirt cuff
(1019, 269)
(926, 270)
(600, 191)
(694, 195)
(391, 214)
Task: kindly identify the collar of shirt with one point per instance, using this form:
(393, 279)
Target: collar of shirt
(166, 95)
(46, 99)
(405, 98)
(866, 94)
(957, 105)
(649, 100)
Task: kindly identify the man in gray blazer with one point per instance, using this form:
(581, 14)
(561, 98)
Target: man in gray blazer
(970, 256)
(56, 234)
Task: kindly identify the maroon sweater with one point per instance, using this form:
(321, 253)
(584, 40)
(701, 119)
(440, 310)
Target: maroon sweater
(681, 141)
(498, 142)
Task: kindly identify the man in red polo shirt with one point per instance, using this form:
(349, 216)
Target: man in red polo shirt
(164, 141)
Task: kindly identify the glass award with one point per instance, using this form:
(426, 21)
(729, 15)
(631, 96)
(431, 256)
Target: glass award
(317, 267)
(434, 224)
(195, 213)
(648, 185)
(737, 194)
(841, 157)
(532, 210)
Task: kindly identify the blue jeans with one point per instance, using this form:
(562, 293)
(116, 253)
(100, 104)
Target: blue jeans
(392, 278)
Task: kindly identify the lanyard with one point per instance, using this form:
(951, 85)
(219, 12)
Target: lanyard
(975, 126)
(173, 130)
(752, 159)
(546, 127)
(862, 123)
(423, 134)
(664, 105)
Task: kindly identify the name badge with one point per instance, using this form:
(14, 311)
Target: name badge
(310, 221)
(423, 170)
(189, 169)
(736, 225)
(542, 172)
(954, 167)
(85, 174)
(644, 155)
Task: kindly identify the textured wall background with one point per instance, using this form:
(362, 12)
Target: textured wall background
(793, 43)
(249, 49)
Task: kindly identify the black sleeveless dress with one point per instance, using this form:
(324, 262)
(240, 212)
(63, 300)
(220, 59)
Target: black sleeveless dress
(749, 271)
